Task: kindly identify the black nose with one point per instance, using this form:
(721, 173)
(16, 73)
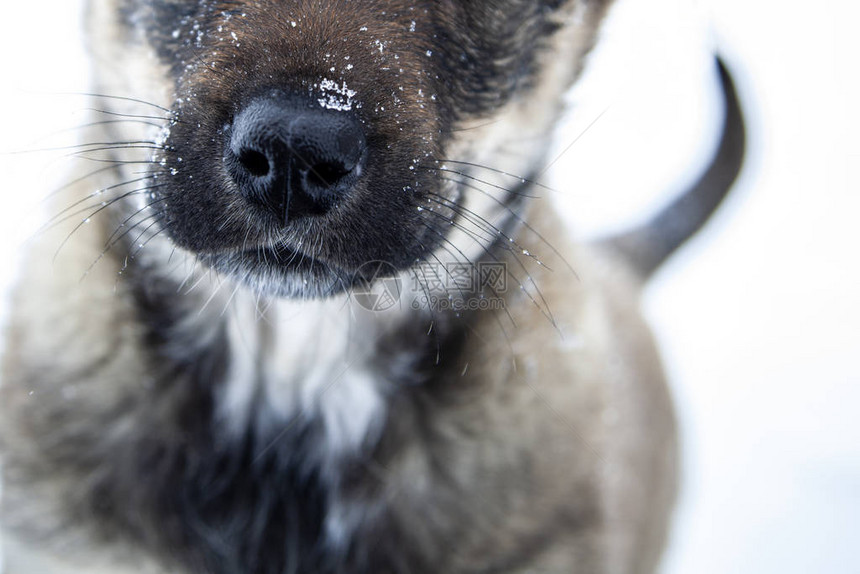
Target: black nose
(292, 158)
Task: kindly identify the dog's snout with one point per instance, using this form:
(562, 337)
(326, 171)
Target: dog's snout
(293, 159)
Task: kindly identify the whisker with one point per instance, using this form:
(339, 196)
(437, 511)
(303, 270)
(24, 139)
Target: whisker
(576, 139)
(96, 194)
(113, 122)
(78, 180)
(114, 239)
(88, 125)
(237, 285)
(218, 286)
(484, 125)
(500, 172)
(188, 276)
(115, 162)
(131, 256)
(93, 214)
(507, 190)
(119, 98)
(492, 289)
(171, 119)
(80, 153)
(103, 146)
(203, 276)
(519, 218)
(484, 225)
(545, 309)
(158, 218)
(110, 244)
(429, 297)
(98, 207)
(425, 287)
(486, 234)
(445, 245)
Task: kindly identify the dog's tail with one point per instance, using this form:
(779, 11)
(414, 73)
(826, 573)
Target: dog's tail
(648, 246)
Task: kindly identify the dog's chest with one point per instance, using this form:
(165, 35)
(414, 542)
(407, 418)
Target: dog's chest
(318, 377)
(311, 361)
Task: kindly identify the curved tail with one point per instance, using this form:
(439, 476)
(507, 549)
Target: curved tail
(648, 246)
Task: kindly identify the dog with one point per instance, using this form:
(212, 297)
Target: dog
(305, 312)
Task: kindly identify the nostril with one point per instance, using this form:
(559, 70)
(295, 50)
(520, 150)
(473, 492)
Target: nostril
(326, 175)
(255, 162)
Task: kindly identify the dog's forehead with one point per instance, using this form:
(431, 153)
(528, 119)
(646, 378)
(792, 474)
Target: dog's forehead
(480, 52)
(186, 23)
(481, 8)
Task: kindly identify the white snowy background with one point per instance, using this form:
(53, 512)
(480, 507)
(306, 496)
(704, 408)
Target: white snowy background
(758, 318)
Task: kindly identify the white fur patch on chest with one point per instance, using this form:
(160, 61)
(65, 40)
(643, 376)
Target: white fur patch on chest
(305, 360)
(310, 360)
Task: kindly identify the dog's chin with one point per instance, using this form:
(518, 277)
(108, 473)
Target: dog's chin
(282, 272)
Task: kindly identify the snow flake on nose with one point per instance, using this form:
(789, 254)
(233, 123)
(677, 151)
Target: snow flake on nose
(336, 97)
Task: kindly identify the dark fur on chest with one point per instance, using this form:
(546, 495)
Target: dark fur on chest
(253, 503)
